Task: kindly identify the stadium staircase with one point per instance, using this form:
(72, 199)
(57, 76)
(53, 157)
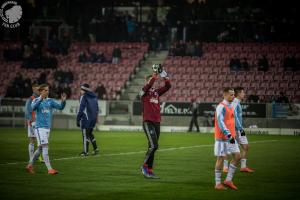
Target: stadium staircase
(119, 111)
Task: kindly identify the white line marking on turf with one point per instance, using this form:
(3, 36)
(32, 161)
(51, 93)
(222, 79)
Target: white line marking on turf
(136, 152)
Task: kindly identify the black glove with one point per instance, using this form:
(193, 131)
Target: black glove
(231, 139)
(242, 132)
(78, 123)
(160, 68)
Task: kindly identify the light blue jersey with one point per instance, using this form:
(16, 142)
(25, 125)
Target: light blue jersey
(44, 109)
(28, 110)
(238, 114)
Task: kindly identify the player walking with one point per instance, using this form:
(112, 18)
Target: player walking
(43, 106)
(87, 117)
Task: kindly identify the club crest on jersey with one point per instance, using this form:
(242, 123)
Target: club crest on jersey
(45, 110)
(154, 100)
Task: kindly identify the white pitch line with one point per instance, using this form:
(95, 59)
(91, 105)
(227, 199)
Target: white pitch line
(136, 152)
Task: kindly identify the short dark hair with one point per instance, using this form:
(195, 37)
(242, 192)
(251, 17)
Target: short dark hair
(43, 86)
(227, 89)
(238, 90)
(35, 85)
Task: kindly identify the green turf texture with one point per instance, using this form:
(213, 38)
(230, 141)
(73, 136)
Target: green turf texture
(186, 173)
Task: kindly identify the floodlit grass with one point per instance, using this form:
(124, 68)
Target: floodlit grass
(186, 173)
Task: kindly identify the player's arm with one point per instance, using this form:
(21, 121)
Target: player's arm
(61, 105)
(82, 107)
(28, 111)
(165, 88)
(149, 84)
(220, 114)
(97, 111)
(36, 102)
(238, 124)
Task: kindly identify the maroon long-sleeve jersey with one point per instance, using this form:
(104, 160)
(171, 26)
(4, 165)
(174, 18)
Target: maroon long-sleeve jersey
(150, 100)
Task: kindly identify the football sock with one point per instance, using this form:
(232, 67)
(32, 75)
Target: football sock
(31, 150)
(218, 174)
(243, 163)
(231, 172)
(46, 158)
(35, 156)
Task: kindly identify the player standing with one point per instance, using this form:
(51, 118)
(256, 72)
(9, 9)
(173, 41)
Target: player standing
(44, 107)
(87, 117)
(241, 135)
(225, 143)
(30, 121)
(151, 116)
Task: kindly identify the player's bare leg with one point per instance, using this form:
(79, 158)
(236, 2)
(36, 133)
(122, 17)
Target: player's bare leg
(244, 152)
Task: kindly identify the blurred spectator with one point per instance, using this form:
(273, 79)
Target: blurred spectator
(290, 64)
(194, 107)
(190, 49)
(42, 79)
(90, 56)
(253, 99)
(101, 91)
(65, 88)
(198, 49)
(263, 64)
(235, 64)
(12, 54)
(54, 45)
(116, 55)
(282, 98)
(245, 65)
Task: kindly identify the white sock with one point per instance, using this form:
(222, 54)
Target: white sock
(46, 158)
(225, 164)
(243, 163)
(30, 150)
(218, 174)
(35, 156)
(231, 172)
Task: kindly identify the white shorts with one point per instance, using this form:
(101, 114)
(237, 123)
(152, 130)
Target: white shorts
(30, 132)
(42, 135)
(223, 148)
(241, 139)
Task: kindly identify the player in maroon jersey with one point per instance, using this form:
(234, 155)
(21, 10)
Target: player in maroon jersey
(151, 116)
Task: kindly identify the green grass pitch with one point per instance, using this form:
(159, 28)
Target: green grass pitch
(185, 163)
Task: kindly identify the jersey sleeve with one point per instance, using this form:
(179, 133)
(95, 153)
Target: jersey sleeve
(220, 114)
(238, 112)
(148, 86)
(56, 105)
(28, 109)
(165, 88)
(35, 103)
(82, 107)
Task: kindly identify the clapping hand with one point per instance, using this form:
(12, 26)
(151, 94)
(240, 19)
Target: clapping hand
(63, 97)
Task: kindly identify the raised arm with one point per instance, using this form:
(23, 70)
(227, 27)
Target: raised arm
(165, 88)
(36, 102)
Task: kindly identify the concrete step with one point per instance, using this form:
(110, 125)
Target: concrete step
(117, 119)
(118, 107)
